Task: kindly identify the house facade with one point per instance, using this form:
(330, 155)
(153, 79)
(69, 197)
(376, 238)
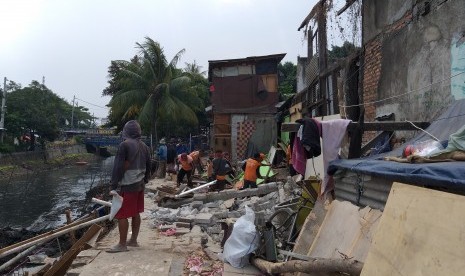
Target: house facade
(244, 95)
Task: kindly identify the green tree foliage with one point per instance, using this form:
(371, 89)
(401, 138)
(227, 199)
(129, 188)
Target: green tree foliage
(338, 52)
(287, 73)
(37, 110)
(153, 90)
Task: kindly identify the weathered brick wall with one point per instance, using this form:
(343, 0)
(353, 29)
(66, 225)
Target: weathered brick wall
(372, 69)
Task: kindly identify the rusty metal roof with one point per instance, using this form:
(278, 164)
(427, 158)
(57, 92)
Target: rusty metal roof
(277, 57)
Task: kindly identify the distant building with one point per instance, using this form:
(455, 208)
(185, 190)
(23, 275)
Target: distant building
(244, 94)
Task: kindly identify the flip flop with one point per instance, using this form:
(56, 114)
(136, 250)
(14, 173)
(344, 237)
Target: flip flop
(132, 244)
(117, 248)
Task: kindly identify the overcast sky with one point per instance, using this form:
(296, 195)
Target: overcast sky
(72, 42)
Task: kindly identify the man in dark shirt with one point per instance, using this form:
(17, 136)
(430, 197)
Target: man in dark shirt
(221, 168)
(131, 170)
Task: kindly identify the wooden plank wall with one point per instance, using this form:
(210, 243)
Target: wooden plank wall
(422, 232)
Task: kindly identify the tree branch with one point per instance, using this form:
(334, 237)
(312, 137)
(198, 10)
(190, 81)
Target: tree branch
(320, 265)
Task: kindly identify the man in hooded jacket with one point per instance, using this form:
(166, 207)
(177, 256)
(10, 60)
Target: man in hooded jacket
(131, 170)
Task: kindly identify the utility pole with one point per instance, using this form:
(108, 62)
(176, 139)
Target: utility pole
(2, 118)
(72, 113)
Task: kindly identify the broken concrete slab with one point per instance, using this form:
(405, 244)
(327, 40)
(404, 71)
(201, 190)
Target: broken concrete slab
(203, 218)
(182, 225)
(223, 195)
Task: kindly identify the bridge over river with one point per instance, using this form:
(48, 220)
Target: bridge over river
(105, 145)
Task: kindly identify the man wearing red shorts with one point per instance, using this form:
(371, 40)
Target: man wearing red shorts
(131, 171)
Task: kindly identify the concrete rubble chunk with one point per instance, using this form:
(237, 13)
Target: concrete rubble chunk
(262, 189)
(165, 227)
(197, 204)
(228, 203)
(182, 225)
(203, 218)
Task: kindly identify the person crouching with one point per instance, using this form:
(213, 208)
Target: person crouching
(185, 162)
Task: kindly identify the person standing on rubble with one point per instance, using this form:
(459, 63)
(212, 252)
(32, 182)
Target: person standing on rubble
(171, 157)
(131, 170)
(221, 168)
(185, 163)
(162, 156)
(251, 170)
(197, 162)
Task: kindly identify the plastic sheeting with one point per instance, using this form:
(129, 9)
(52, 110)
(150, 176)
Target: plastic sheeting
(447, 175)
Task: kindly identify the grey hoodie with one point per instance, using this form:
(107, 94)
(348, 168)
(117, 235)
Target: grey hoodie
(131, 169)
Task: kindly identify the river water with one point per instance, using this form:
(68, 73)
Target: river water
(38, 200)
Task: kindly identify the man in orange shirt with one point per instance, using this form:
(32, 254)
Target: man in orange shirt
(196, 161)
(185, 162)
(251, 169)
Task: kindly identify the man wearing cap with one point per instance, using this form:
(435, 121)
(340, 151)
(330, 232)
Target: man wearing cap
(162, 156)
(185, 163)
(131, 170)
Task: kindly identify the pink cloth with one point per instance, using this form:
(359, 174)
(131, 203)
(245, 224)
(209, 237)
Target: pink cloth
(333, 132)
(299, 159)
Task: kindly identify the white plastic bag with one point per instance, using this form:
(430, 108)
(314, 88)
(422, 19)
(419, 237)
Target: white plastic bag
(243, 240)
(116, 203)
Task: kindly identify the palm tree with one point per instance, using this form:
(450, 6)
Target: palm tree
(153, 89)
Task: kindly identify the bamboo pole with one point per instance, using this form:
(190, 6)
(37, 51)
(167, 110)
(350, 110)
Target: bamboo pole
(5, 252)
(101, 202)
(69, 220)
(45, 234)
(195, 189)
(19, 257)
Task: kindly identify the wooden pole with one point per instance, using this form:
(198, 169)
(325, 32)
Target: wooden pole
(45, 234)
(60, 267)
(69, 220)
(8, 251)
(314, 265)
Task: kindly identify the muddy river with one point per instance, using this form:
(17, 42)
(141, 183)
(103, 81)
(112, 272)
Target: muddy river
(38, 200)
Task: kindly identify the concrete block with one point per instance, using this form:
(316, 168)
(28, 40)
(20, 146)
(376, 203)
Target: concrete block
(197, 204)
(228, 203)
(185, 219)
(182, 225)
(235, 214)
(214, 204)
(196, 230)
(221, 215)
(203, 218)
(165, 227)
(182, 231)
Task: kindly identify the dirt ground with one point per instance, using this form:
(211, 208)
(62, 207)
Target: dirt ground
(157, 254)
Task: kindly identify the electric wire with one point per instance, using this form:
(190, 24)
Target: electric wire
(403, 94)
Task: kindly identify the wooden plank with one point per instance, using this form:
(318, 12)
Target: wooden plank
(60, 267)
(346, 232)
(367, 126)
(421, 232)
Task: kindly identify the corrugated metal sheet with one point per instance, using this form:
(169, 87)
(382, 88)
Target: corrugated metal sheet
(362, 190)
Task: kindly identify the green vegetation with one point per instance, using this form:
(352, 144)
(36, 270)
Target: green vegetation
(339, 52)
(287, 74)
(35, 111)
(154, 91)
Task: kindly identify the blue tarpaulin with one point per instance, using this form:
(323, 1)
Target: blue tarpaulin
(448, 175)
